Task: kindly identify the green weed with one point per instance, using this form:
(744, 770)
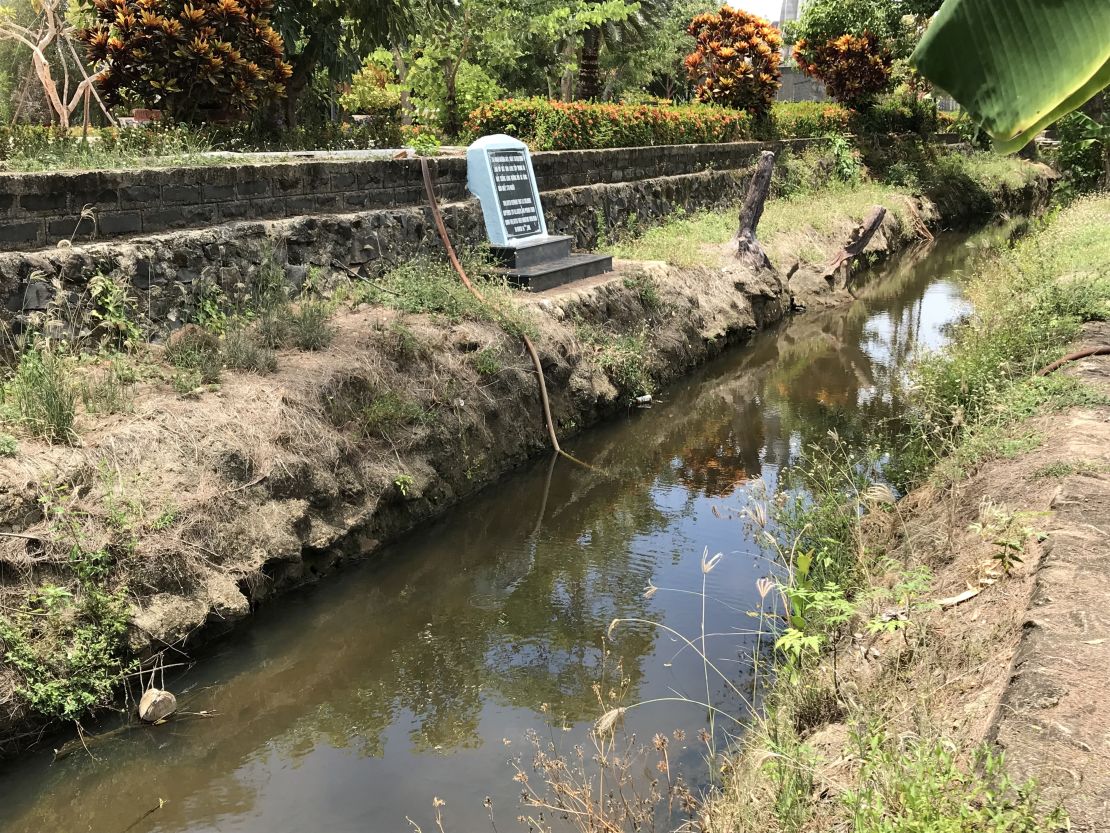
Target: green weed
(9, 446)
(116, 310)
(107, 389)
(912, 784)
(646, 289)
(388, 412)
(487, 361)
(1064, 468)
(625, 357)
(67, 649)
(427, 284)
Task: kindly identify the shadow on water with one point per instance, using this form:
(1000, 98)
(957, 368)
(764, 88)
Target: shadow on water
(349, 706)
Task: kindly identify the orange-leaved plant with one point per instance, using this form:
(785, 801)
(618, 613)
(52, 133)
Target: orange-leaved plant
(853, 68)
(194, 59)
(735, 59)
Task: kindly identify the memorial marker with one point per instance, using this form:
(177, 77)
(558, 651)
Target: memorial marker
(499, 173)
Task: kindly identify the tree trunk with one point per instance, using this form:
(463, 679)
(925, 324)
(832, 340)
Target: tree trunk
(304, 64)
(747, 246)
(402, 74)
(589, 72)
(452, 123)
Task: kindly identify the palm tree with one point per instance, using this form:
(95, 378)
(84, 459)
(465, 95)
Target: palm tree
(335, 34)
(626, 30)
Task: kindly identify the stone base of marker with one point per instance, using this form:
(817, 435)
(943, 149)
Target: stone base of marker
(540, 263)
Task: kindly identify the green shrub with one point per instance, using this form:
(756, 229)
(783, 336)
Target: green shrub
(901, 111)
(802, 119)
(197, 60)
(556, 125)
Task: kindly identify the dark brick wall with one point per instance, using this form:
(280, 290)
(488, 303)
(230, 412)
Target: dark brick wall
(38, 210)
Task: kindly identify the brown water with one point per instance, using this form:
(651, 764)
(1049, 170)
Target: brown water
(351, 705)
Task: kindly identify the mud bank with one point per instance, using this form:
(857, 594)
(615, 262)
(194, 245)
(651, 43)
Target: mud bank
(209, 504)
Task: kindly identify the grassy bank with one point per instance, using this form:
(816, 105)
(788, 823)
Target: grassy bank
(903, 617)
(818, 196)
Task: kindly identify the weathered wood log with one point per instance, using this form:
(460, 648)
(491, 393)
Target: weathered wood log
(857, 241)
(747, 246)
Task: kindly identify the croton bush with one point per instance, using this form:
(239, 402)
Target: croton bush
(197, 60)
(735, 61)
(557, 125)
(852, 68)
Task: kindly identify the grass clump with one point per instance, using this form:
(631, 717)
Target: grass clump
(428, 284)
(195, 349)
(42, 394)
(309, 328)
(241, 352)
(487, 362)
(625, 357)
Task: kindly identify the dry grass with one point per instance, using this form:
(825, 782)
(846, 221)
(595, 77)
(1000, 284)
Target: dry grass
(810, 227)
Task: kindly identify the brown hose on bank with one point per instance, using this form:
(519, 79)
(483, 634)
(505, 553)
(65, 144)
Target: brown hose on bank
(1074, 357)
(429, 189)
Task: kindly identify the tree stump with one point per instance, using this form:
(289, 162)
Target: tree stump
(747, 246)
(857, 241)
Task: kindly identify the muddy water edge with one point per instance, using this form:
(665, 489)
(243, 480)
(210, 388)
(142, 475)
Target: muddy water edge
(350, 706)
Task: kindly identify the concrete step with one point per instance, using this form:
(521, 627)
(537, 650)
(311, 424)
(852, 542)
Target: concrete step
(533, 252)
(554, 273)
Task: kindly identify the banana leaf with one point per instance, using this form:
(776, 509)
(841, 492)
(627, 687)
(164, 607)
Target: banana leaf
(1016, 66)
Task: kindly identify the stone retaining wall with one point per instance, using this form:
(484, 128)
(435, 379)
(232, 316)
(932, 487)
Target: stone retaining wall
(173, 272)
(38, 210)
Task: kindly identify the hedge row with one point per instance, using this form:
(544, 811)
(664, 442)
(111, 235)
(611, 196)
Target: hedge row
(557, 125)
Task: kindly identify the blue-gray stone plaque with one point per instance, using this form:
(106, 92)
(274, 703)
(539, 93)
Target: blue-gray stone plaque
(499, 173)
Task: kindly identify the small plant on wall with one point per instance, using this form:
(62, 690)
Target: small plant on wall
(199, 60)
(736, 60)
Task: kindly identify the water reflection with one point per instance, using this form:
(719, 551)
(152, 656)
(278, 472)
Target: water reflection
(350, 706)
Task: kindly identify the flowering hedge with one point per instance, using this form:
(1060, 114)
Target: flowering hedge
(802, 119)
(557, 125)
